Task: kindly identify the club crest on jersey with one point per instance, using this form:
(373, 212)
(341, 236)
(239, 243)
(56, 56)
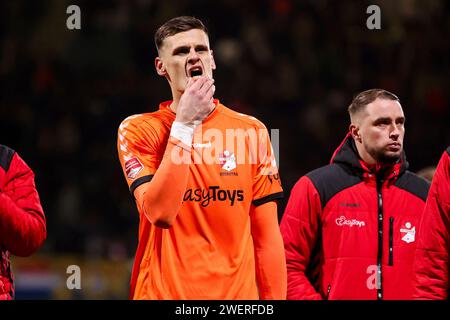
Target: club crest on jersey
(408, 233)
(227, 160)
(132, 167)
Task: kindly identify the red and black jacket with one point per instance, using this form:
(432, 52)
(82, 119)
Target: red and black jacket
(22, 220)
(431, 271)
(349, 230)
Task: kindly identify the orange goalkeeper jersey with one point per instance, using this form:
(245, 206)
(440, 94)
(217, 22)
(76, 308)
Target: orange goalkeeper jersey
(208, 252)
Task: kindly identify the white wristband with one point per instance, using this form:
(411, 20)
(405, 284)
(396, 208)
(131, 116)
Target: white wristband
(182, 132)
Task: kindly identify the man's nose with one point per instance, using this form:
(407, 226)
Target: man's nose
(394, 133)
(193, 56)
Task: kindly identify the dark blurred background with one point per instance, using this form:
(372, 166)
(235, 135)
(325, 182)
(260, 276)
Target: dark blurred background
(295, 65)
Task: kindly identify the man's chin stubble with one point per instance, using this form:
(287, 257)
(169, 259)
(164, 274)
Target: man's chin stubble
(389, 158)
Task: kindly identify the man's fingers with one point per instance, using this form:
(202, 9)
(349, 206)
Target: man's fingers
(210, 93)
(189, 83)
(198, 83)
(206, 87)
(199, 96)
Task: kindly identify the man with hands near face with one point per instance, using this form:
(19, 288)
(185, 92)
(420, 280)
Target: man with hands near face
(205, 182)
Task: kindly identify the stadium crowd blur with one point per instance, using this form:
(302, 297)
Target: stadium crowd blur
(293, 64)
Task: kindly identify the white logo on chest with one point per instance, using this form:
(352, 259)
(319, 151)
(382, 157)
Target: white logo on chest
(408, 232)
(228, 161)
(343, 221)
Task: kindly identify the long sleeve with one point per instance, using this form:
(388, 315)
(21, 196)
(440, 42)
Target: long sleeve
(22, 220)
(431, 260)
(269, 253)
(299, 228)
(151, 167)
(159, 206)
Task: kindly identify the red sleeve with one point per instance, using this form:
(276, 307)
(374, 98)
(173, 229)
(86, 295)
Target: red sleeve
(431, 260)
(299, 228)
(22, 220)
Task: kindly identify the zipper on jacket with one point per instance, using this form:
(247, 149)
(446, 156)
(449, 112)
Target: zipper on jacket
(328, 291)
(391, 241)
(380, 238)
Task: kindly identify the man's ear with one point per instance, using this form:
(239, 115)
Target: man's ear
(356, 134)
(160, 68)
(213, 63)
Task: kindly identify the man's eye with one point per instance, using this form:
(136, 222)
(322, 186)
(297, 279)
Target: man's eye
(382, 123)
(201, 49)
(181, 52)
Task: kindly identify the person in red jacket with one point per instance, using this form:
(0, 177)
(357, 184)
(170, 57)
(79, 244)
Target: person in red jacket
(431, 261)
(22, 220)
(350, 227)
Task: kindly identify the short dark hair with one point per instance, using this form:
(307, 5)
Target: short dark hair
(362, 99)
(177, 25)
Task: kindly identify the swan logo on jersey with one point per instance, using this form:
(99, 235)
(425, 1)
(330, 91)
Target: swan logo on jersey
(408, 233)
(227, 160)
(132, 167)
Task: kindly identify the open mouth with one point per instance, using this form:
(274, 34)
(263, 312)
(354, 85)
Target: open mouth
(195, 72)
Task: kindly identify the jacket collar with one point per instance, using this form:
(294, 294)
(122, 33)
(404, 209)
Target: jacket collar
(347, 155)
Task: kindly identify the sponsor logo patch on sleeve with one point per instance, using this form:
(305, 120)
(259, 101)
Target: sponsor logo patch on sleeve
(132, 167)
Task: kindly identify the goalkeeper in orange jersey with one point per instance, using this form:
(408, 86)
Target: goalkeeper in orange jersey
(205, 181)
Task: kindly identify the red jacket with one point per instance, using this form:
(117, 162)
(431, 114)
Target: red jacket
(349, 231)
(431, 262)
(22, 221)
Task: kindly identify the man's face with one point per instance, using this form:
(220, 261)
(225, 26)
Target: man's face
(184, 55)
(382, 130)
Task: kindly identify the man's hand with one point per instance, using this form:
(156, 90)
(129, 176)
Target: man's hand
(197, 101)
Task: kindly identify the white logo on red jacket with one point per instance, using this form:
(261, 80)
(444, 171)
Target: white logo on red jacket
(343, 221)
(408, 232)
